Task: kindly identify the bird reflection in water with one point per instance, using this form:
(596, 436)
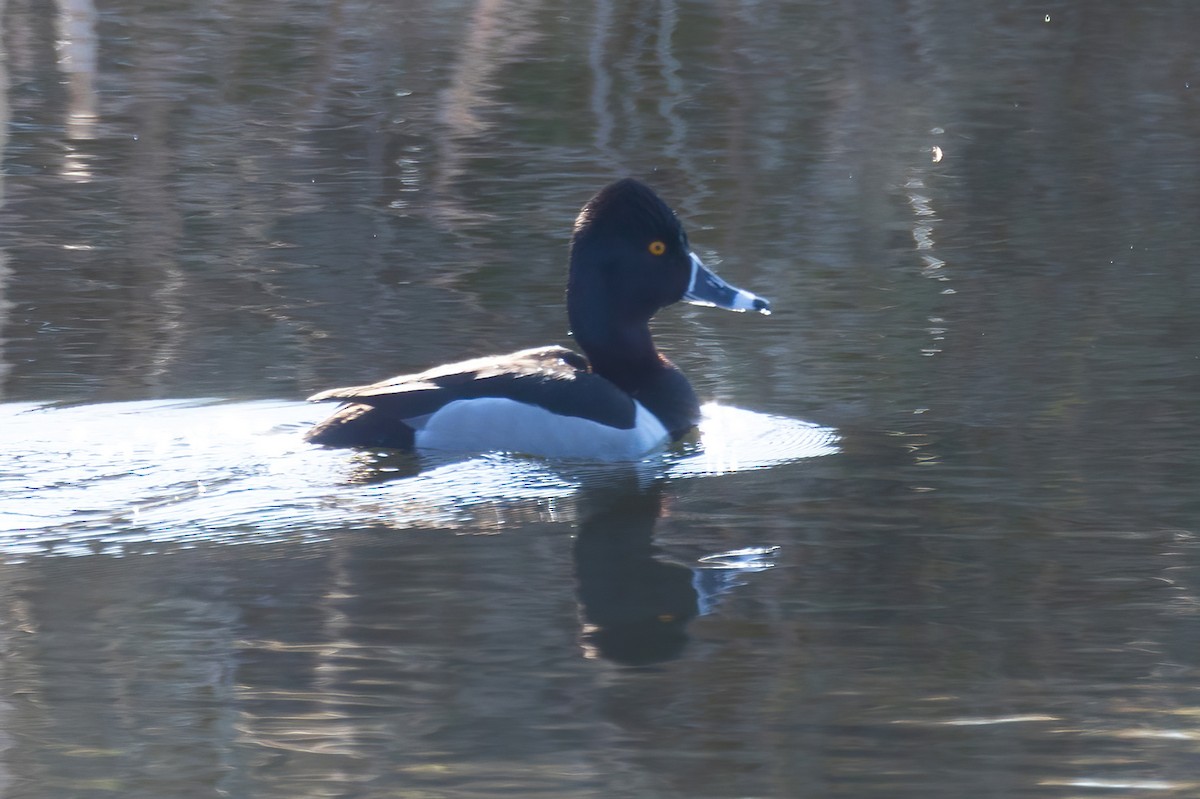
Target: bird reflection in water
(635, 602)
(636, 605)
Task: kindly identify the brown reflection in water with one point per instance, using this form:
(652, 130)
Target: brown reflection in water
(5, 271)
(76, 44)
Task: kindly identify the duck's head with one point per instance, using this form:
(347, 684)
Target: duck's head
(630, 257)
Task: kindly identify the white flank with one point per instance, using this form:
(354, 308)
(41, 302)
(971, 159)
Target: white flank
(493, 424)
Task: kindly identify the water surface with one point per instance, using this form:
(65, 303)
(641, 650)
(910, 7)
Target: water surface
(939, 539)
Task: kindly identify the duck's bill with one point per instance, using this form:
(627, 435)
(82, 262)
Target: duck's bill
(706, 288)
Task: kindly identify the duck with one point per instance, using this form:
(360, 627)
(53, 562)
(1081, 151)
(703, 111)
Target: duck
(620, 400)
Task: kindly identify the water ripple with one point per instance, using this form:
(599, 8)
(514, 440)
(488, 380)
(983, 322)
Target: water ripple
(134, 476)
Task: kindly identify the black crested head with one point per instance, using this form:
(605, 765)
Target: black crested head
(629, 208)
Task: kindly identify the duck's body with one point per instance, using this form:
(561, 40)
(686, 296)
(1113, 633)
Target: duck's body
(544, 399)
(629, 258)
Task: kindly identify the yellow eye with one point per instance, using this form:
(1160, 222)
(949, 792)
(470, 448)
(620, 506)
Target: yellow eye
(657, 248)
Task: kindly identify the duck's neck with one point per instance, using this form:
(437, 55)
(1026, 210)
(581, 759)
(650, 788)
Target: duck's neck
(624, 354)
(615, 338)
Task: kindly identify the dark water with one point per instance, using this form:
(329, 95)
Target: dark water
(938, 539)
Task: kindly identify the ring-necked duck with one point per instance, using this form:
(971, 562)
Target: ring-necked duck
(629, 258)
